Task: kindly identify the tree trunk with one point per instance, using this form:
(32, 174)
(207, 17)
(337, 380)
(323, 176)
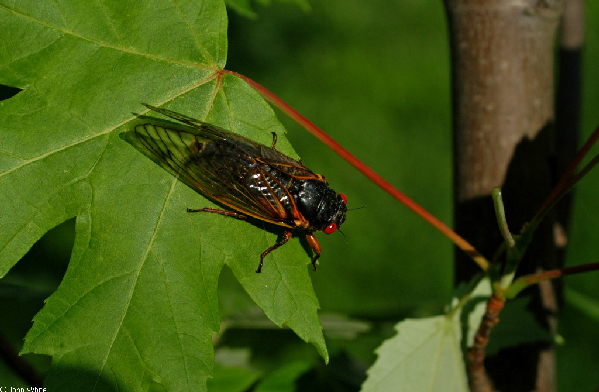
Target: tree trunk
(503, 118)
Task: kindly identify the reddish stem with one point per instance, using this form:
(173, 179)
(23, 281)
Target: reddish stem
(562, 185)
(536, 278)
(367, 171)
(478, 378)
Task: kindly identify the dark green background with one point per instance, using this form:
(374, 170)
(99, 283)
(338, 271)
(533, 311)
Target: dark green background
(374, 77)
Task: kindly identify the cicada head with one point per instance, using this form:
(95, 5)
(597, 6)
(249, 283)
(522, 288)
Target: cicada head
(338, 209)
(321, 206)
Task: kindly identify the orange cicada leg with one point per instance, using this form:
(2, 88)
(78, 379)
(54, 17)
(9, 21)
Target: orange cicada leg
(286, 238)
(222, 212)
(313, 241)
(274, 140)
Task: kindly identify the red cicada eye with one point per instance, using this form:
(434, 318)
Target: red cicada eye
(343, 197)
(330, 228)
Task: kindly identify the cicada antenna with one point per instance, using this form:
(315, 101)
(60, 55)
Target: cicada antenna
(344, 236)
(357, 208)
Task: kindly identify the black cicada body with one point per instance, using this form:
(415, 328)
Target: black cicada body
(252, 179)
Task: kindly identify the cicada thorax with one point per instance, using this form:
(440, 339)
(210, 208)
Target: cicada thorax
(320, 205)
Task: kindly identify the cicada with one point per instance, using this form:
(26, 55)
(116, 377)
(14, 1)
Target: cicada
(251, 179)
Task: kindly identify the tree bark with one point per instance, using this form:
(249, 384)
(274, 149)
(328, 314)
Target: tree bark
(503, 118)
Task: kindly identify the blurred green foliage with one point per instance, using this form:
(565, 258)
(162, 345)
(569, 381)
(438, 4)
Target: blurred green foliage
(375, 77)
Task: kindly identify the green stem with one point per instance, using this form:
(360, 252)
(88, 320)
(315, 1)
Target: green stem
(512, 253)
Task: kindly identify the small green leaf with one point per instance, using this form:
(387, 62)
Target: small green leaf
(425, 355)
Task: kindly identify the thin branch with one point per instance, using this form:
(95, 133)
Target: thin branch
(478, 379)
(562, 185)
(527, 280)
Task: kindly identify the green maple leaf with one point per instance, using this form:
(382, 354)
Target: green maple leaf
(138, 301)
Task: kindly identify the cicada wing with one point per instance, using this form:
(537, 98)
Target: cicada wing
(201, 128)
(174, 151)
(267, 155)
(216, 168)
(177, 116)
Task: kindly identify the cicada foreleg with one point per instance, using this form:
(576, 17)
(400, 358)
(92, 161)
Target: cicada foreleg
(274, 140)
(286, 237)
(313, 241)
(222, 212)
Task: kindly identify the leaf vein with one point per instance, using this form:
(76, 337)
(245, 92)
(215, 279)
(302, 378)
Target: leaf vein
(170, 303)
(70, 306)
(112, 25)
(193, 32)
(134, 283)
